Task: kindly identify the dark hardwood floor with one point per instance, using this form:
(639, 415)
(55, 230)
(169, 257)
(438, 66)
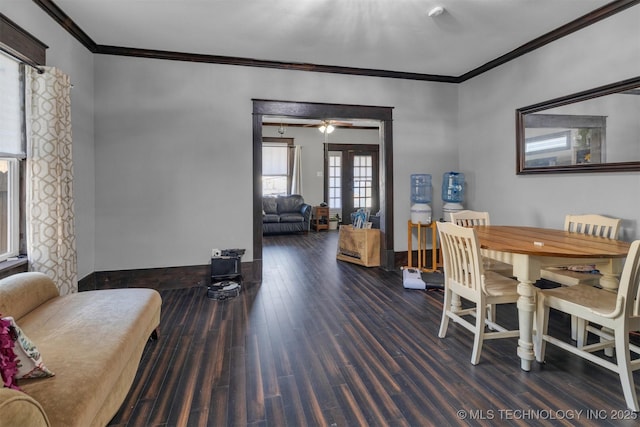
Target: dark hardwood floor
(327, 343)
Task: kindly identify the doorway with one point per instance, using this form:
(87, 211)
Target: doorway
(306, 110)
(356, 183)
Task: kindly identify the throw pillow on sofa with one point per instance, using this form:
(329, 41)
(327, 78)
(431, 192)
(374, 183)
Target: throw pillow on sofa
(290, 204)
(269, 205)
(8, 363)
(28, 358)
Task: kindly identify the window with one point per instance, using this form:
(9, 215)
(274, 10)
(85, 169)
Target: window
(362, 181)
(335, 180)
(276, 166)
(12, 110)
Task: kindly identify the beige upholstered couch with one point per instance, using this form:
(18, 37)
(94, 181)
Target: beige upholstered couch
(92, 341)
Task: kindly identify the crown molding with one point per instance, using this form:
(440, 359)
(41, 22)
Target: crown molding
(249, 62)
(67, 23)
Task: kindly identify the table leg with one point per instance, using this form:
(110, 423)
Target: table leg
(420, 261)
(610, 271)
(434, 247)
(527, 269)
(526, 307)
(610, 281)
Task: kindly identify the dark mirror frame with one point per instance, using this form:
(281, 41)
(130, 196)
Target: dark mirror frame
(521, 169)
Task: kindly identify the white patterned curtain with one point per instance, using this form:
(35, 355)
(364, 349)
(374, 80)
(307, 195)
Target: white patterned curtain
(296, 179)
(51, 242)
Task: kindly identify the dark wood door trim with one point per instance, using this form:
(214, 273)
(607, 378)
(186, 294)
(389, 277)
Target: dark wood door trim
(311, 110)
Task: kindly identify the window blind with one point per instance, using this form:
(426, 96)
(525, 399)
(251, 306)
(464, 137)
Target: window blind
(274, 159)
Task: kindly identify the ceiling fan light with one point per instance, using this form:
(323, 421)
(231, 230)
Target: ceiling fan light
(328, 128)
(436, 11)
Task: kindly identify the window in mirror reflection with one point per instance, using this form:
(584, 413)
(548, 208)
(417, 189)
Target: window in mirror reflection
(563, 139)
(549, 142)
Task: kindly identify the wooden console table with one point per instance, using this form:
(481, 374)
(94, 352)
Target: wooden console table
(320, 218)
(422, 246)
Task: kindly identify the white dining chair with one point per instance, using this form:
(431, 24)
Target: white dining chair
(618, 311)
(469, 218)
(464, 276)
(595, 225)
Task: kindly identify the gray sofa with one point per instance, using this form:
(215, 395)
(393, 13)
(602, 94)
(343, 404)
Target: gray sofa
(285, 214)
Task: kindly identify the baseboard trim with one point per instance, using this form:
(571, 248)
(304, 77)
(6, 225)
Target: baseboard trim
(158, 278)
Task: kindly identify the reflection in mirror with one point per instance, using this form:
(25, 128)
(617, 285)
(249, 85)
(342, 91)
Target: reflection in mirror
(563, 139)
(595, 130)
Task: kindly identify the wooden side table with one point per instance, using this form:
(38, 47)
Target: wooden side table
(422, 246)
(320, 218)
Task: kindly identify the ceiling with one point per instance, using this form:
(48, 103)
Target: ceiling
(392, 35)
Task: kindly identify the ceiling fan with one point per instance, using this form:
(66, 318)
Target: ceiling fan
(328, 126)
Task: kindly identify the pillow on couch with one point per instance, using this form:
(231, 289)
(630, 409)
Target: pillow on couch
(8, 364)
(28, 358)
(289, 204)
(269, 205)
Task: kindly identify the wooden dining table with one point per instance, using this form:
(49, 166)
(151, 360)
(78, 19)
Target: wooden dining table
(529, 249)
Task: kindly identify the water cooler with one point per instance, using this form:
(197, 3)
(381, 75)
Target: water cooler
(452, 193)
(422, 221)
(420, 198)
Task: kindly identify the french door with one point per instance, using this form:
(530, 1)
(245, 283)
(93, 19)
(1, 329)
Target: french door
(352, 179)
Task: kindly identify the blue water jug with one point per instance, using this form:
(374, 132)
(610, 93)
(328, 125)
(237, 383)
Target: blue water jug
(453, 187)
(421, 188)
(420, 198)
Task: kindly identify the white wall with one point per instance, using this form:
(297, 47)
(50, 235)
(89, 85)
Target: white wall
(174, 149)
(71, 57)
(603, 53)
(169, 176)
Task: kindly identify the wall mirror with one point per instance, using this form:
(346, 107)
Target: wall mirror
(597, 130)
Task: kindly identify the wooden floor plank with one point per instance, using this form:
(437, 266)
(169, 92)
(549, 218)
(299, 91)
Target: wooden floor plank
(376, 413)
(354, 416)
(292, 404)
(238, 402)
(322, 342)
(165, 401)
(275, 411)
